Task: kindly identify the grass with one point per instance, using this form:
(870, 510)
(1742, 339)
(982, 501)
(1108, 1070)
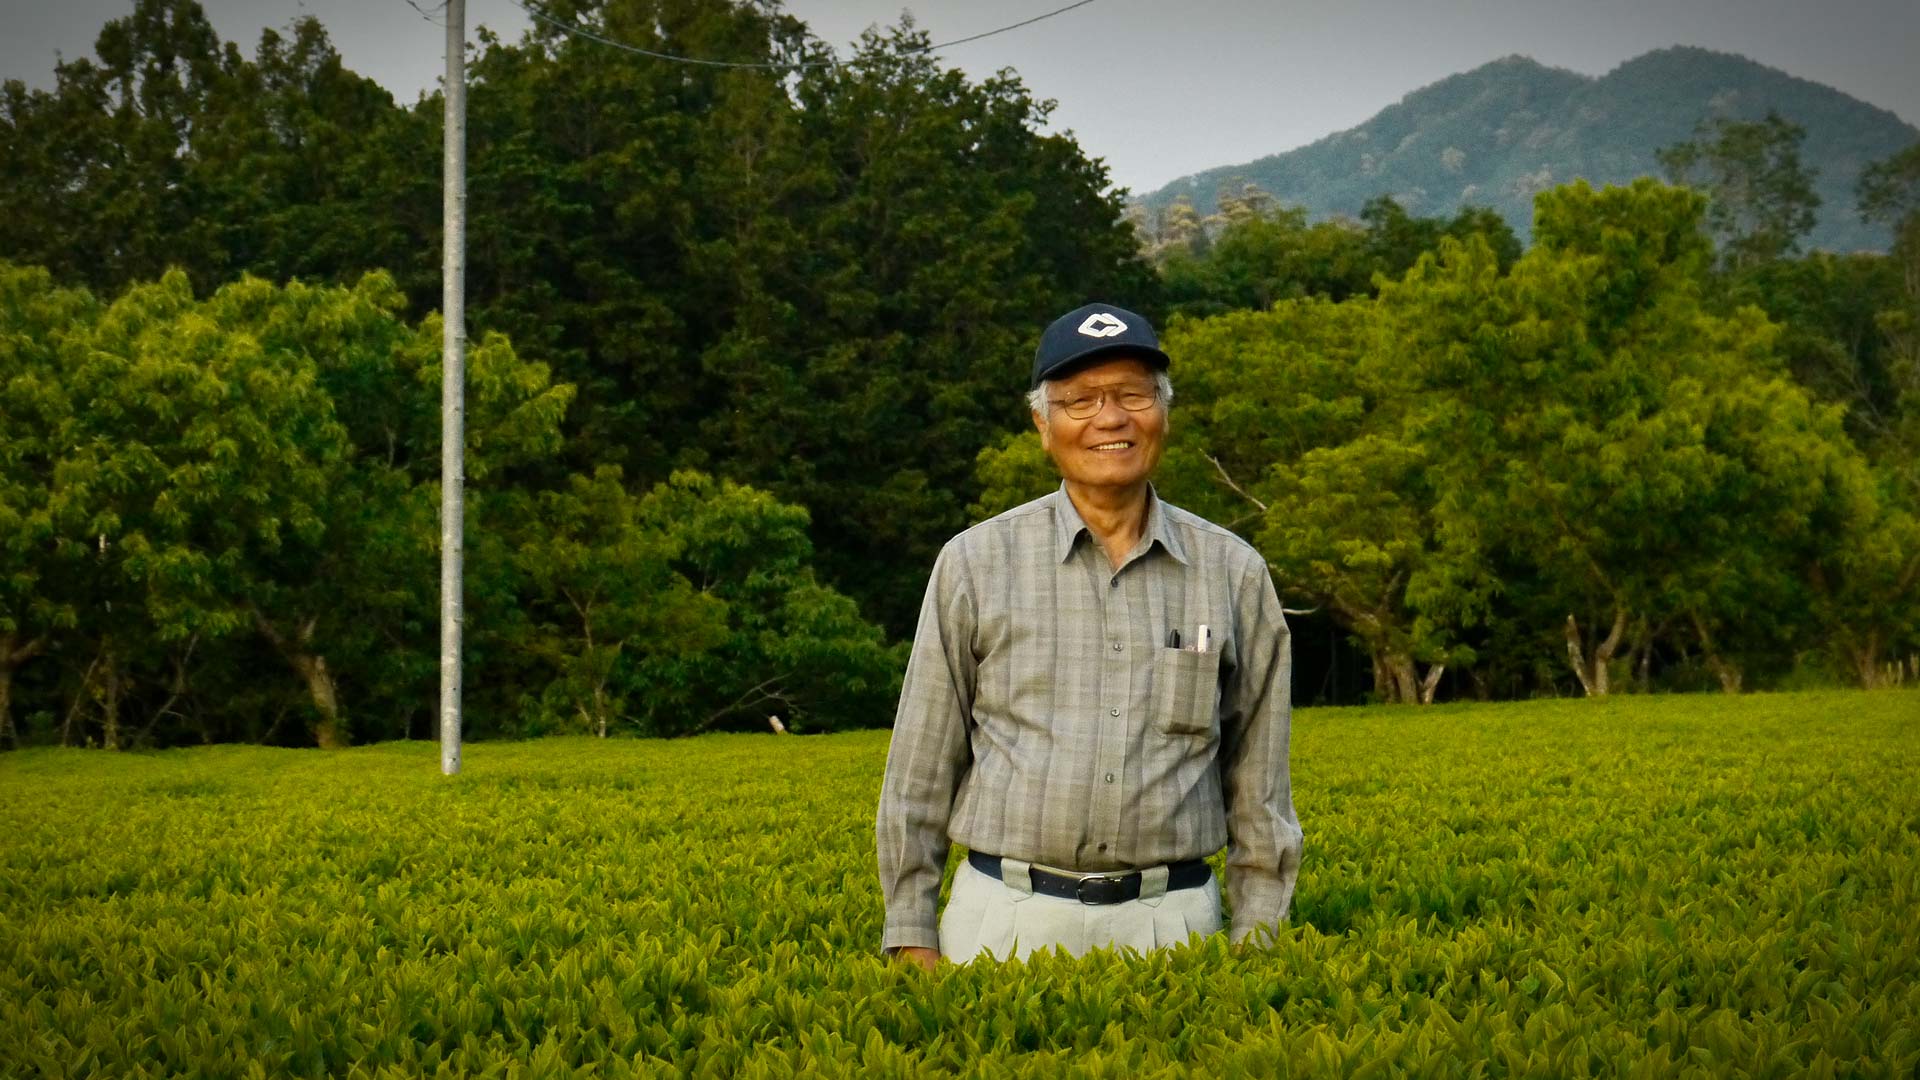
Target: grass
(1650, 886)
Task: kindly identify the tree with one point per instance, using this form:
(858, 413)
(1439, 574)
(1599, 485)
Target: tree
(169, 149)
(1890, 192)
(1258, 253)
(1010, 472)
(257, 467)
(1178, 230)
(1645, 464)
(822, 283)
(1865, 583)
(872, 355)
(368, 574)
(791, 643)
(599, 595)
(38, 594)
(1831, 310)
(1261, 258)
(199, 456)
(1761, 200)
(1292, 420)
(1396, 240)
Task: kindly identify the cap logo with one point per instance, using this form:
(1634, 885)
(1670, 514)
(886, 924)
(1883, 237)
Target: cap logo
(1102, 325)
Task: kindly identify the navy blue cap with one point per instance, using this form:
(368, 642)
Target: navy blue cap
(1093, 331)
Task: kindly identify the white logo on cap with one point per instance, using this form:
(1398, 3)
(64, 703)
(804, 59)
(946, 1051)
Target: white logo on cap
(1101, 324)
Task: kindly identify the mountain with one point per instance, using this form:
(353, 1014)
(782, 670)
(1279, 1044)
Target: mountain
(1497, 134)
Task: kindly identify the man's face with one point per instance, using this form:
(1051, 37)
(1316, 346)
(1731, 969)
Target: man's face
(1113, 448)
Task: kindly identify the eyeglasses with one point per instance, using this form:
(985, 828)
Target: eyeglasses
(1088, 404)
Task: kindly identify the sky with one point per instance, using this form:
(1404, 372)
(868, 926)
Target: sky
(1157, 89)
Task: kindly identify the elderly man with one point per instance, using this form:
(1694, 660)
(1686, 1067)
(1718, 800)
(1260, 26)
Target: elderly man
(1097, 699)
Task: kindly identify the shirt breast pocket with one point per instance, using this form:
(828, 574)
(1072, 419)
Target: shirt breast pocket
(1185, 684)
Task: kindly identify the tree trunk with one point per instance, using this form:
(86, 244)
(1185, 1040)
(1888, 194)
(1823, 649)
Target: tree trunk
(8, 740)
(1592, 671)
(110, 706)
(1431, 683)
(330, 733)
(1866, 661)
(1729, 675)
(13, 653)
(1640, 654)
(1400, 671)
(1478, 685)
(79, 699)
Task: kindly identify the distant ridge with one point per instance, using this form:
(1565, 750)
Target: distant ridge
(1497, 134)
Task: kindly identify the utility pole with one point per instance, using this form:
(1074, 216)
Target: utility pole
(453, 383)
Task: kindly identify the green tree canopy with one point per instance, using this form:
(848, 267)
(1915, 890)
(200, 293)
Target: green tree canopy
(1257, 253)
(1553, 474)
(1761, 199)
(239, 524)
(822, 283)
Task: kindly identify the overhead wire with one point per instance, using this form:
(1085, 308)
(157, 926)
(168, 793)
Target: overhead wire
(427, 15)
(580, 31)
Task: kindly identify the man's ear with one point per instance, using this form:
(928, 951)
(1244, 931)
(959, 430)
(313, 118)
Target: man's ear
(1046, 432)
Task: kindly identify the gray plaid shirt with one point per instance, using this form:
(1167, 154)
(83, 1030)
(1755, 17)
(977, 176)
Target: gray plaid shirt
(1045, 718)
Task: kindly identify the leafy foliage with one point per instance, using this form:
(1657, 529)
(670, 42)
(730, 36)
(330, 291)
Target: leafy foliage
(1641, 886)
(1761, 199)
(824, 286)
(1253, 253)
(1890, 192)
(779, 320)
(1489, 467)
(251, 486)
(1334, 495)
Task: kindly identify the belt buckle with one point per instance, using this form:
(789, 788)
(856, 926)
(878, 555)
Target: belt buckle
(1107, 889)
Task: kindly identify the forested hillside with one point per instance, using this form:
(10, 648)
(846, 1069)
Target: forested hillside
(1500, 134)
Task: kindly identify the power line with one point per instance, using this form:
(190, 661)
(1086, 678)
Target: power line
(579, 31)
(427, 15)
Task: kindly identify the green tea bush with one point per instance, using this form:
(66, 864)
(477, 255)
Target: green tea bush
(1699, 886)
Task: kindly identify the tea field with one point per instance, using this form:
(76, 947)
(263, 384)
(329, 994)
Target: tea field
(1658, 887)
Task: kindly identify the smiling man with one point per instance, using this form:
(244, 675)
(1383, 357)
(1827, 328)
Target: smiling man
(1098, 698)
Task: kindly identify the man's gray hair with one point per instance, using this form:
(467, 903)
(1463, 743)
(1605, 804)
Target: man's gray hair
(1037, 397)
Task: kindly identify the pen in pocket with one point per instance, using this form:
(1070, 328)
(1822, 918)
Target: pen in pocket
(1173, 639)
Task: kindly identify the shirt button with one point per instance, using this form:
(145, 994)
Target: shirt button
(1103, 847)
(1116, 646)
(1109, 778)
(1114, 584)
(1113, 712)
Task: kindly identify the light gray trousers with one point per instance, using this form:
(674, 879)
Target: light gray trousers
(1006, 918)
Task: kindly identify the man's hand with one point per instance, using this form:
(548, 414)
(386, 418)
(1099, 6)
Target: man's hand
(914, 954)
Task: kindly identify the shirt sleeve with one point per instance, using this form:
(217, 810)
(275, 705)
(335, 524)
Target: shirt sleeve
(927, 758)
(1263, 835)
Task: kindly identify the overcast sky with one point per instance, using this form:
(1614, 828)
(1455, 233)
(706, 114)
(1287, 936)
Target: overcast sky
(1160, 89)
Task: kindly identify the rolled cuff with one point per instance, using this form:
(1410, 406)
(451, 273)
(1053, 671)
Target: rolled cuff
(910, 936)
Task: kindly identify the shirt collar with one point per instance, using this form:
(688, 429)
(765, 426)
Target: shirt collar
(1069, 526)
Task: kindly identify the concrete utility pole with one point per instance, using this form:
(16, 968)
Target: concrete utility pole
(453, 384)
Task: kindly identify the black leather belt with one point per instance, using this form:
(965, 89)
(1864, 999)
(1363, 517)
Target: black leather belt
(1097, 888)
